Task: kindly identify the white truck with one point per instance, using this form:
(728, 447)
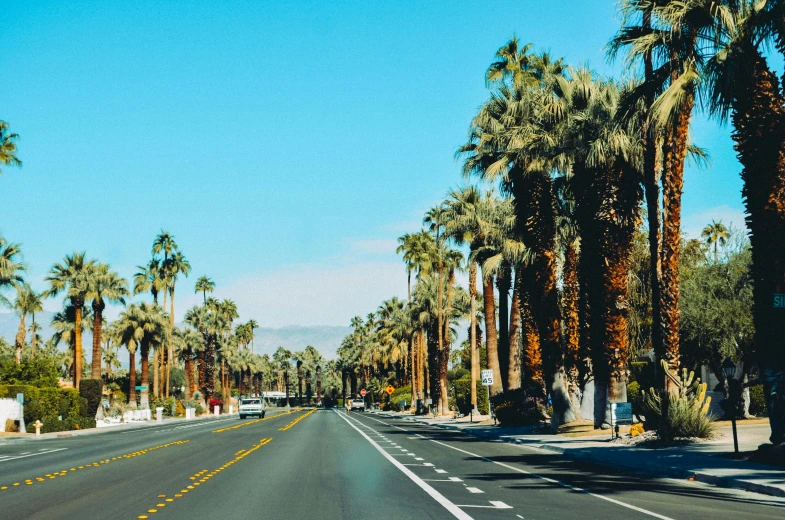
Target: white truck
(251, 406)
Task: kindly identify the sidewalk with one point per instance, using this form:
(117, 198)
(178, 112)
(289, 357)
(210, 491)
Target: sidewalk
(701, 461)
(167, 421)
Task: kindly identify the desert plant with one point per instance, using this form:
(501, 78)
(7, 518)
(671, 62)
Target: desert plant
(517, 408)
(683, 412)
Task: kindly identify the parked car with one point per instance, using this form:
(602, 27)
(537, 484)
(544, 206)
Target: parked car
(251, 406)
(358, 404)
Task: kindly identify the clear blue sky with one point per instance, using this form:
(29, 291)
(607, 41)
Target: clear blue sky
(285, 144)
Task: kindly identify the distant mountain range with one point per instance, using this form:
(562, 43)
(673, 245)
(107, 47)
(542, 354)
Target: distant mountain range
(326, 339)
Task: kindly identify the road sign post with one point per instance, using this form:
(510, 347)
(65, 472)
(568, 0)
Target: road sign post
(486, 377)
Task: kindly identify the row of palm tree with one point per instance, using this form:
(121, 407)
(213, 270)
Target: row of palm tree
(575, 156)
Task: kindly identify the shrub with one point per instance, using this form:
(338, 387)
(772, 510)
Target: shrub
(517, 408)
(215, 402)
(634, 397)
(180, 409)
(42, 402)
(680, 414)
(41, 372)
(757, 400)
(11, 426)
(464, 398)
(92, 390)
(53, 424)
(636, 429)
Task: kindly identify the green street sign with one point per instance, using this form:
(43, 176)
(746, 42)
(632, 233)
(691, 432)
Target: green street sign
(779, 301)
(143, 387)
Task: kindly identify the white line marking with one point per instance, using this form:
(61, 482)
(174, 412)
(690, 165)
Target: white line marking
(32, 454)
(419, 458)
(451, 479)
(562, 484)
(474, 490)
(441, 499)
(497, 504)
(440, 470)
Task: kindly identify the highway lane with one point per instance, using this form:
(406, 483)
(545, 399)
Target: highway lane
(330, 464)
(492, 479)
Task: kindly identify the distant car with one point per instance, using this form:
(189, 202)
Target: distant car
(358, 404)
(252, 406)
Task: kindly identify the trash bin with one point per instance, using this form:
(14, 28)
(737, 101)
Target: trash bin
(420, 408)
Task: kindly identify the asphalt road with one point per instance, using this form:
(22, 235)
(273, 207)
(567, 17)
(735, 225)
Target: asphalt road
(328, 464)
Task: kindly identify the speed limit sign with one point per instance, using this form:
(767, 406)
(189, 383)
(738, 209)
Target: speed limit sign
(487, 377)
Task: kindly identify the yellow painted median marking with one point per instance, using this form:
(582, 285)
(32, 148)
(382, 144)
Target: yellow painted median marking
(249, 423)
(296, 421)
(53, 476)
(237, 458)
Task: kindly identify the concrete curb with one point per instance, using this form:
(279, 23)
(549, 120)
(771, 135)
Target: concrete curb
(645, 469)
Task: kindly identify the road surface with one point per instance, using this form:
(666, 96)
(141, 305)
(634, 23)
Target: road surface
(328, 464)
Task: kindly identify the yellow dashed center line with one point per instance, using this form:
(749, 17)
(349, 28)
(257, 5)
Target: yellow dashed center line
(206, 475)
(296, 421)
(53, 476)
(248, 423)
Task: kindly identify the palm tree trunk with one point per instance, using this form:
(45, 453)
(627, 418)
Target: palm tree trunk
(20, 340)
(570, 296)
(503, 282)
(446, 344)
(77, 343)
(473, 334)
(98, 311)
(171, 357)
(132, 378)
(189, 374)
(673, 182)
(759, 133)
(201, 374)
(156, 388)
(491, 344)
(514, 349)
(145, 402)
(413, 368)
(532, 353)
(33, 340)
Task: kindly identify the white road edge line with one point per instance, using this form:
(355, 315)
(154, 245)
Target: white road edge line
(568, 486)
(441, 499)
(32, 454)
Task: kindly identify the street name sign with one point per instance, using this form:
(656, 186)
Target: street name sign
(779, 301)
(621, 413)
(363, 392)
(143, 387)
(487, 377)
(390, 389)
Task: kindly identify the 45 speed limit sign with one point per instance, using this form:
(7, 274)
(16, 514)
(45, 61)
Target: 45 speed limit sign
(487, 377)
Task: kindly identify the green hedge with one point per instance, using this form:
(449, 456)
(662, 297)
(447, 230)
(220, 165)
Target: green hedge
(757, 400)
(463, 402)
(53, 424)
(47, 402)
(91, 389)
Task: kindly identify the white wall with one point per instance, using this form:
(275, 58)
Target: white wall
(9, 409)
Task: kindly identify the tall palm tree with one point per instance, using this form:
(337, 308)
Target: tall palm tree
(174, 266)
(64, 324)
(71, 277)
(103, 285)
(715, 234)
(8, 147)
(252, 326)
(146, 324)
(26, 302)
(670, 44)
(205, 285)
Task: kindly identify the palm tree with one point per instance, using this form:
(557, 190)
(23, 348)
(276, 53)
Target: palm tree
(124, 329)
(8, 147)
(103, 286)
(174, 266)
(27, 302)
(670, 44)
(715, 234)
(146, 324)
(64, 325)
(11, 268)
(149, 278)
(205, 285)
(252, 326)
(71, 277)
